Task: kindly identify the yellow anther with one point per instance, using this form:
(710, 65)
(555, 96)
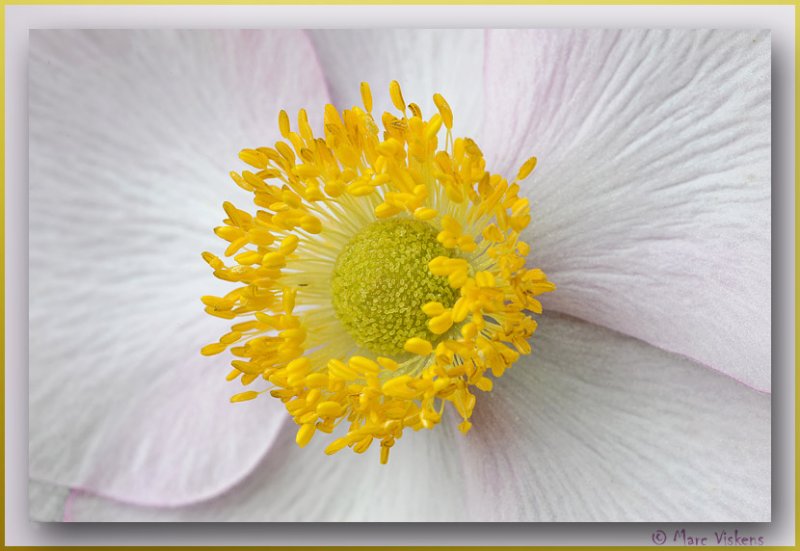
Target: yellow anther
(306, 171)
(302, 124)
(457, 278)
(286, 152)
(288, 322)
(397, 95)
(387, 363)
(336, 445)
(212, 349)
(469, 331)
(418, 346)
(385, 210)
(441, 323)
(317, 380)
(248, 378)
(433, 308)
(283, 123)
(466, 243)
(273, 260)
(366, 96)
(526, 168)
(244, 396)
(311, 224)
(451, 225)
(217, 302)
(492, 233)
(304, 434)
(364, 365)
(520, 207)
(289, 244)
(340, 370)
(313, 396)
(309, 417)
(397, 385)
(299, 366)
(472, 148)
(238, 217)
(461, 310)
(444, 110)
(484, 279)
(424, 213)
(485, 384)
(443, 266)
(298, 333)
(230, 338)
(229, 233)
(390, 147)
(289, 297)
(247, 367)
(254, 158)
(248, 258)
(329, 409)
(433, 126)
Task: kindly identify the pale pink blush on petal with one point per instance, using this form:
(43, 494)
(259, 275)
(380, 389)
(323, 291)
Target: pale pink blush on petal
(651, 199)
(68, 505)
(423, 481)
(132, 136)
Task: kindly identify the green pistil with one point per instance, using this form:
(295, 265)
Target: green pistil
(381, 281)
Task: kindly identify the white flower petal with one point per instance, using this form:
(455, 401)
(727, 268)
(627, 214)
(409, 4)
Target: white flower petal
(46, 501)
(423, 61)
(651, 200)
(132, 135)
(597, 426)
(423, 481)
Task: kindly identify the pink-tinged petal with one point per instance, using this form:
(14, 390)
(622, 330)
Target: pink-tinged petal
(423, 61)
(132, 135)
(651, 199)
(423, 481)
(597, 426)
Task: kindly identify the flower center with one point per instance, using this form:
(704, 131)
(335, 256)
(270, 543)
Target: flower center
(381, 280)
(418, 303)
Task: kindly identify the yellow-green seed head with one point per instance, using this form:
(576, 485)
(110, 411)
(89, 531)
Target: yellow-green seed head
(381, 281)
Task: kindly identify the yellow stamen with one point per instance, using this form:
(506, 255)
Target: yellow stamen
(366, 96)
(244, 396)
(304, 434)
(380, 277)
(418, 346)
(444, 110)
(397, 95)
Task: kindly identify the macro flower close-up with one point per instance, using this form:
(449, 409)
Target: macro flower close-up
(523, 274)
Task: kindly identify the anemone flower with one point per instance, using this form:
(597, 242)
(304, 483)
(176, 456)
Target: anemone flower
(646, 395)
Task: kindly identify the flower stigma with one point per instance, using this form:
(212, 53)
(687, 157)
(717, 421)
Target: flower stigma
(380, 278)
(381, 281)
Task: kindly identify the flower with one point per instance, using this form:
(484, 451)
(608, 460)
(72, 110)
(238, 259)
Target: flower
(392, 247)
(650, 209)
